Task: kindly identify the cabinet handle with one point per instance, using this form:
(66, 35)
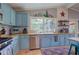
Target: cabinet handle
(56, 38)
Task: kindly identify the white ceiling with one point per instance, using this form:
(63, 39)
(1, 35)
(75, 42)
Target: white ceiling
(75, 7)
(34, 6)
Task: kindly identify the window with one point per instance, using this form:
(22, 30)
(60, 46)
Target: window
(37, 25)
(42, 25)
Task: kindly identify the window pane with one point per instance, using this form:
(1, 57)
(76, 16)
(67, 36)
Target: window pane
(48, 25)
(37, 25)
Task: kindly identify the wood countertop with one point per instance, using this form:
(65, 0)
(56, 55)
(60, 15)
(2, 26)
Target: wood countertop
(10, 36)
(50, 33)
(13, 35)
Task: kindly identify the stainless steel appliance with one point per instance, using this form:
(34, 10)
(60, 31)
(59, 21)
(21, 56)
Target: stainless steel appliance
(34, 42)
(5, 47)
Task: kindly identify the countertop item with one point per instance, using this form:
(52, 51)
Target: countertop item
(74, 39)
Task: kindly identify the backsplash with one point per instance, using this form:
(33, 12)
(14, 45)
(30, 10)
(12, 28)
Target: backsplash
(7, 28)
(15, 30)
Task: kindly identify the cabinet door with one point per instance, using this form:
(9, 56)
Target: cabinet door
(6, 13)
(21, 19)
(15, 45)
(61, 38)
(55, 40)
(45, 41)
(70, 36)
(1, 17)
(24, 19)
(12, 16)
(66, 41)
(7, 50)
(4, 52)
(24, 42)
(18, 19)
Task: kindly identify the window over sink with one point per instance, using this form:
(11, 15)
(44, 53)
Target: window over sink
(42, 25)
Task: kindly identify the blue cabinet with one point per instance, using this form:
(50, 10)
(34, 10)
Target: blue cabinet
(55, 40)
(64, 39)
(18, 19)
(23, 42)
(13, 14)
(49, 40)
(15, 45)
(70, 36)
(21, 19)
(7, 50)
(61, 39)
(45, 41)
(24, 19)
(8, 14)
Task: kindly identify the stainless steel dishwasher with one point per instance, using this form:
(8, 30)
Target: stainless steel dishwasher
(34, 42)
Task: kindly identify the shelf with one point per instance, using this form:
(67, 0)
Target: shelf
(63, 21)
(63, 25)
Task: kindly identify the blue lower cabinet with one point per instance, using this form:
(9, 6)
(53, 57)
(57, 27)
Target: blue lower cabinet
(55, 40)
(66, 41)
(45, 41)
(23, 42)
(15, 45)
(78, 35)
(61, 39)
(70, 36)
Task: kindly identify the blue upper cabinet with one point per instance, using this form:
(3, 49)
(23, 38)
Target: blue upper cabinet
(18, 19)
(8, 14)
(13, 14)
(21, 19)
(25, 18)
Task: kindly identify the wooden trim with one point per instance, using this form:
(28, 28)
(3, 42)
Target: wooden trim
(35, 49)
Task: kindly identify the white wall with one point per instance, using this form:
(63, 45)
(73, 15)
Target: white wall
(73, 14)
(52, 11)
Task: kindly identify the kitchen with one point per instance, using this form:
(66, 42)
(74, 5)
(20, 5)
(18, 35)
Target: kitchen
(38, 29)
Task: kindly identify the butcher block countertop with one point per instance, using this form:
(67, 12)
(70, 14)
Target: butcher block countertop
(7, 36)
(10, 36)
(13, 35)
(50, 33)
